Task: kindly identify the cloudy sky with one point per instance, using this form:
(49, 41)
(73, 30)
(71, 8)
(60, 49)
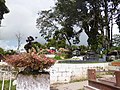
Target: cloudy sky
(22, 19)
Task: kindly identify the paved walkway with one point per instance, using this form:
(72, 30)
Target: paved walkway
(74, 85)
(69, 86)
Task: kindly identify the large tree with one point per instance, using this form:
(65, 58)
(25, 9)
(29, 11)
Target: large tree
(70, 17)
(59, 22)
(118, 21)
(99, 18)
(57, 44)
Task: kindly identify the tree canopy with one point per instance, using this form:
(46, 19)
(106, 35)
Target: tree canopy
(70, 17)
(2, 51)
(3, 9)
(56, 44)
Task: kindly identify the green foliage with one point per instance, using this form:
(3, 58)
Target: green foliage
(2, 1)
(83, 53)
(115, 48)
(116, 60)
(59, 20)
(51, 43)
(112, 49)
(64, 55)
(57, 57)
(2, 51)
(61, 44)
(92, 16)
(6, 85)
(74, 47)
(56, 43)
(37, 46)
(83, 47)
(10, 52)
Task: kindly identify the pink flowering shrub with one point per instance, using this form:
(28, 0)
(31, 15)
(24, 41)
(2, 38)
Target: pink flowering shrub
(31, 60)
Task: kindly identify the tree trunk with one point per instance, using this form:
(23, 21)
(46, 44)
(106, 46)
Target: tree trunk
(107, 24)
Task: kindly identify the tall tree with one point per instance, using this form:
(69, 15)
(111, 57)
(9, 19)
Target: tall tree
(111, 10)
(70, 17)
(100, 14)
(118, 21)
(60, 21)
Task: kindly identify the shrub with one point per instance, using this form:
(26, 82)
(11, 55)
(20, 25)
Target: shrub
(33, 61)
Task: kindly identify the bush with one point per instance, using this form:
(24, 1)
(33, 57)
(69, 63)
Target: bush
(33, 61)
(57, 57)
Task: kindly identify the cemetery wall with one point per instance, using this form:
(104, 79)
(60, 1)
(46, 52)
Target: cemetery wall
(63, 73)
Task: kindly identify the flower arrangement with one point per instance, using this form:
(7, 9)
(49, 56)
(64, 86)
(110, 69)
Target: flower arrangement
(30, 61)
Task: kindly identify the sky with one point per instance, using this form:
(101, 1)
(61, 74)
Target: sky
(22, 19)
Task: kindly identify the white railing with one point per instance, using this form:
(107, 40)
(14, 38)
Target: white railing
(6, 73)
(6, 76)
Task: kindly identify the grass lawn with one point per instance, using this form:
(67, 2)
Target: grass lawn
(6, 85)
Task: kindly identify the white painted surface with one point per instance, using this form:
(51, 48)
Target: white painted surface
(61, 73)
(33, 82)
(3, 64)
(114, 68)
(50, 55)
(78, 57)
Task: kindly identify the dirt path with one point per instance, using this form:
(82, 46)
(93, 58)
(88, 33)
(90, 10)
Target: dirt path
(70, 86)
